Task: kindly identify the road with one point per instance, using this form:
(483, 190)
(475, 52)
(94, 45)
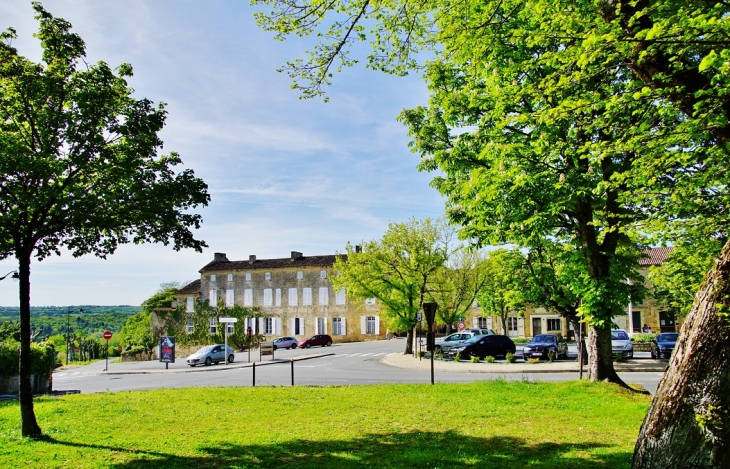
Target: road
(349, 364)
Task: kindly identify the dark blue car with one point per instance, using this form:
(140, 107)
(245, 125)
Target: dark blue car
(663, 344)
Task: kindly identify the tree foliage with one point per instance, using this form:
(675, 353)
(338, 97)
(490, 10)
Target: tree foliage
(503, 292)
(80, 164)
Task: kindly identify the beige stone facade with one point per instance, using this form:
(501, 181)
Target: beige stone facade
(295, 294)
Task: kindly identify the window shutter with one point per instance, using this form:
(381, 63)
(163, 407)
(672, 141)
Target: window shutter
(325, 325)
(489, 322)
(213, 298)
(267, 296)
(363, 325)
(261, 326)
(190, 305)
(316, 325)
(344, 330)
(377, 325)
(475, 322)
(292, 297)
(301, 326)
(229, 298)
(292, 327)
(306, 296)
(323, 296)
(278, 326)
(248, 297)
(340, 297)
(521, 327)
(278, 297)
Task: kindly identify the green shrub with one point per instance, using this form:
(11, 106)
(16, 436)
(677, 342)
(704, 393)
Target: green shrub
(457, 357)
(474, 359)
(551, 355)
(438, 355)
(510, 358)
(521, 340)
(42, 356)
(533, 360)
(489, 359)
(619, 357)
(643, 337)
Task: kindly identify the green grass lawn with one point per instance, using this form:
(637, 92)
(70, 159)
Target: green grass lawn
(490, 424)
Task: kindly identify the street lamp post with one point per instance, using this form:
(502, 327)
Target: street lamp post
(15, 275)
(68, 328)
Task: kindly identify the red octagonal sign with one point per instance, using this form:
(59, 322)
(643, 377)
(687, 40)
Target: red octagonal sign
(107, 335)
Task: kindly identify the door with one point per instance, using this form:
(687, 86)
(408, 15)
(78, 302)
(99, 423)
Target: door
(636, 321)
(667, 322)
(536, 326)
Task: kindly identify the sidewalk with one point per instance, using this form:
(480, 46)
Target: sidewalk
(572, 366)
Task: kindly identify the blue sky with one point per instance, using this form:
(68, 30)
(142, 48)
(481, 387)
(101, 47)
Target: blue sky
(284, 174)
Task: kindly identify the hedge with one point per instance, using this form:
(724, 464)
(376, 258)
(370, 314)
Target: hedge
(43, 358)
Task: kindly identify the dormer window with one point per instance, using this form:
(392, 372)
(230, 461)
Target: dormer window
(323, 274)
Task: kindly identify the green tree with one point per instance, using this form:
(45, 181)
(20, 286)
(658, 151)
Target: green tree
(138, 331)
(397, 270)
(506, 282)
(80, 164)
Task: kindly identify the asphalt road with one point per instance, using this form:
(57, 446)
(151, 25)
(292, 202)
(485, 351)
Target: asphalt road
(349, 364)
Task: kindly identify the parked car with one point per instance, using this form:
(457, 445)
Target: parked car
(621, 343)
(285, 342)
(320, 339)
(444, 344)
(210, 354)
(484, 345)
(663, 344)
(541, 344)
(478, 331)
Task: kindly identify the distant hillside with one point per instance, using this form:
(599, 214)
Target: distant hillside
(13, 312)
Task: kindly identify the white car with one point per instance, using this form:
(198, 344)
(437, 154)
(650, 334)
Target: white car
(621, 343)
(445, 344)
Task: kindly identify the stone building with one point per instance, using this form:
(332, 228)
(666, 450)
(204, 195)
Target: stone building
(294, 293)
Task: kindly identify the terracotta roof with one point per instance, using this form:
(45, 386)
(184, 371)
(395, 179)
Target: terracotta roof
(655, 256)
(192, 287)
(282, 263)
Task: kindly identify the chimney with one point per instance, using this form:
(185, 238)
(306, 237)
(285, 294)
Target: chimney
(358, 249)
(296, 255)
(252, 258)
(220, 257)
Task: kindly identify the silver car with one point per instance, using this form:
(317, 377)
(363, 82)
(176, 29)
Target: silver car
(621, 343)
(210, 354)
(445, 344)
(285, 342)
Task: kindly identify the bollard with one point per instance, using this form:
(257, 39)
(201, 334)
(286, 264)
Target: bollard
(254, 374)
(292, 371)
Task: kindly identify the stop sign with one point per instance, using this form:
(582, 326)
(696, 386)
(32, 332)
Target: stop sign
(461, 325)
(107, 335)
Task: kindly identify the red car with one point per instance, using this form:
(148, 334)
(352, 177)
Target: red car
(320, 339)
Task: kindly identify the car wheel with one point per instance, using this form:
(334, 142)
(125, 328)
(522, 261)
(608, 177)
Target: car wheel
(292, 347)
(329, 343)
(309, 345)
(192, 365)
(230, 358)
(208, 361)
(215, 363)
(275, 347)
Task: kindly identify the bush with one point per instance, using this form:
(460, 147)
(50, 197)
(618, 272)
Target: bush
(474, 359)
(489, 359)
(551, 355)
(511, 358)
(643, 337)
(521, 340)
(457, 357)
(42, 356)
(533, 360)
(619, 357)
(438, 355)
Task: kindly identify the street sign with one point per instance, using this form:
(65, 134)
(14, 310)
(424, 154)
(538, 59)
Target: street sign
(227, 320)
(418, 316)
(107, 335)
(461, 325)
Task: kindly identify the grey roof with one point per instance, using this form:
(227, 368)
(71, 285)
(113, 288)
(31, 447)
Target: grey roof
(281, 263)
(192, 287)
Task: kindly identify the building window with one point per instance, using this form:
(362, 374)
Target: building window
(300, 275)
(370, 301)
(230, 277)
(482, 323)
(213, 298)
(277, 298)
(321, 326)
(306, 296)
(229, 298)
(248, 275)
(268, 326)
(553, 324)
(323, 274)
(338, 326)
(323, 296)
(212, 278)
(267, 276)
(248, 297)
(512, 324)
(340, 296)
(213, 325)
(189, 326)
(190, 304)
(370, 325)
(229, 327)
(267, 297)
(293, 300)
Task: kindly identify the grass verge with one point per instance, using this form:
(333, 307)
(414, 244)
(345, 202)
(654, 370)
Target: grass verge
(491, 424)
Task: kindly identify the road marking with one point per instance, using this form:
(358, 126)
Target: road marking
(366, 354)
(355, 354)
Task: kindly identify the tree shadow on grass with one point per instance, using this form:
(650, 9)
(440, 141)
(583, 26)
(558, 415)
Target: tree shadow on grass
(398, 450)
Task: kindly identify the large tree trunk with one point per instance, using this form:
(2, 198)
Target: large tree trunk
(28, 423)
(688, 423)
(409, 342)
(600, 355)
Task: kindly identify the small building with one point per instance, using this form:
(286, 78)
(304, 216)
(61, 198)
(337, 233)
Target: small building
(295, 294)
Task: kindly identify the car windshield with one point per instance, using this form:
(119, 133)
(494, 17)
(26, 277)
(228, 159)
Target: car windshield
(619, 335)
(206, 349)
(543, 339)
(667, 337)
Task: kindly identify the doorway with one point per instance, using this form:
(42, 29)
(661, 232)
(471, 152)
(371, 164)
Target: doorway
(636, 321)
(536, 326)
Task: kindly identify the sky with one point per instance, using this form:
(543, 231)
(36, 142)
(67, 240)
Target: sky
(284, 174)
